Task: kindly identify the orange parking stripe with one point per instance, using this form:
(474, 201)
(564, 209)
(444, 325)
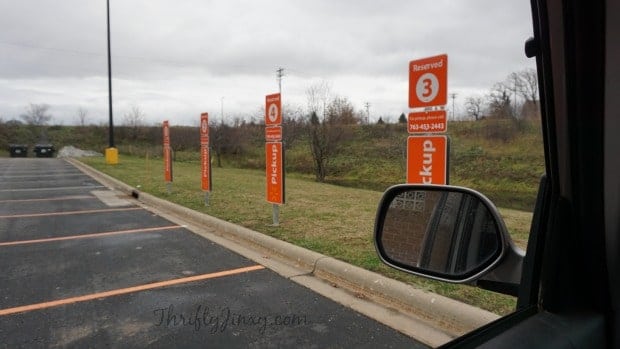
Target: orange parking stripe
(69, 212)
(77, 197)
(88, 236)
(139, 288)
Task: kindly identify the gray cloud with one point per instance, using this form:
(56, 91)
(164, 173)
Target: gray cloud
(178, 56)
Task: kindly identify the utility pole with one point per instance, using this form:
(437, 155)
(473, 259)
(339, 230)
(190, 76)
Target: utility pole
(367, 105)
(222, 109)
(453, 96)
(279, 75)
(515, 91)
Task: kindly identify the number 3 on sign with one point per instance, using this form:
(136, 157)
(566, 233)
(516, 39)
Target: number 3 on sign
(428, 82)
(427, 87)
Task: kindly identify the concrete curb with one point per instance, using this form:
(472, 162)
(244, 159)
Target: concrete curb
(452, 317)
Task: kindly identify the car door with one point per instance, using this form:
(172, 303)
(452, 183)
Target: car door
(568, 292)
(566, 289)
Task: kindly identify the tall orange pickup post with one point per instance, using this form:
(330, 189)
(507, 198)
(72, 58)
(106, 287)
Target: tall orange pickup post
(274, 156)
(427, 152)
(205, 157)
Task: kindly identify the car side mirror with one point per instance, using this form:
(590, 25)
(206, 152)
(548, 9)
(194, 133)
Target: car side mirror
(445, 233)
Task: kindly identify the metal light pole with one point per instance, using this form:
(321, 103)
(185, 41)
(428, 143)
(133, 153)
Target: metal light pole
(111, 153)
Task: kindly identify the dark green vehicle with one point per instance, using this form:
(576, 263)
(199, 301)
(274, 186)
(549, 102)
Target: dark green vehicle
(44, 150)
(18, 150)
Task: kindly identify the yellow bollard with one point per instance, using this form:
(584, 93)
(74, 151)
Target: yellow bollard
(111, 156)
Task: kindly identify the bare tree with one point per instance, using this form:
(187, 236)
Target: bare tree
(36, 114)
(519, 91)
(474, 106)
(292, 125)
(322, 139)
(326, 133)
(527, 85)
(135, 117)
(217, 139)
(317, 97)
(81, 116)
(528, 90)
(134, 120)
(320, 133)
(341, 112)
(512, 84)
(500, 105)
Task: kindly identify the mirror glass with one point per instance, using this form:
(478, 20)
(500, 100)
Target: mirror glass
(450, 233)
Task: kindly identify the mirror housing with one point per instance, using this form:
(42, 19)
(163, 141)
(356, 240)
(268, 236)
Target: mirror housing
(447, 233)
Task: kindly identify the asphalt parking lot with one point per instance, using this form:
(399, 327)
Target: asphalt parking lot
(83, 267)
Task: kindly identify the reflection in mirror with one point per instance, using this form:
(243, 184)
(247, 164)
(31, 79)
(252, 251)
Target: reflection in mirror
(446, 232)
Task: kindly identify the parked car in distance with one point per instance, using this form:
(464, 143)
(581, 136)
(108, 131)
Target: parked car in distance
(18, 150)
(44, 150)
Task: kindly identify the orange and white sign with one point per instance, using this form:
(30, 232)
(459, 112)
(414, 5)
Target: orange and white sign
(273, 110)
(427, 122)
(427, 160)
(275, 172)
(167, 152)
(273, 133)
(428, 82)
(205, 156)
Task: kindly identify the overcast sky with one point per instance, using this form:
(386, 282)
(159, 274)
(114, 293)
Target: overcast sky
(177, 58)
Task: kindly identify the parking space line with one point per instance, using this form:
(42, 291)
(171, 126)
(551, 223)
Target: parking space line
(67, 213)
(53, 188)
(117, 292)
(62, 198)
(63, 175)
(89, 236)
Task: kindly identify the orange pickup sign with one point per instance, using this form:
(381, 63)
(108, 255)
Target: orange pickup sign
(427, 122)
(273, 110)
(428, 82)
(427, 158)
(273, 133)
(205, 156)
(275, 172)
(167, 152)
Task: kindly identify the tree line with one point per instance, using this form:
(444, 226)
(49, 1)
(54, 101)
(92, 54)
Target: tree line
(324, 124)
(515, 97)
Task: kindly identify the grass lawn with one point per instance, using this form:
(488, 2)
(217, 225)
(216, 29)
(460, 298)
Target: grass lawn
(332, 220)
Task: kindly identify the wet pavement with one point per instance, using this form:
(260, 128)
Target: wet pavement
(82, 271)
